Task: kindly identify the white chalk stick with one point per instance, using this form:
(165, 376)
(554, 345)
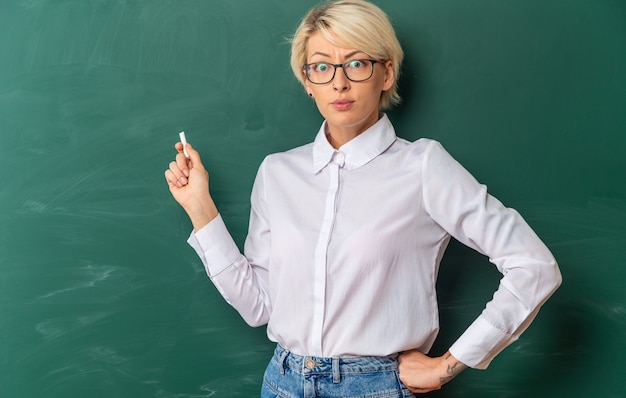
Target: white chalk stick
(183, 140)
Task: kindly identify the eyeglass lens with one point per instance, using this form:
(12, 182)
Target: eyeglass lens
(356, 70)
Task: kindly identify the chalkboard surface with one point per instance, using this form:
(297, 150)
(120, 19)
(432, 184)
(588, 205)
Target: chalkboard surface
(101, 297)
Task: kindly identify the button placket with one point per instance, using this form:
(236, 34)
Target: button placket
(319, 279)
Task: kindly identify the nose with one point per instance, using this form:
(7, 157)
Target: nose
(341, 82)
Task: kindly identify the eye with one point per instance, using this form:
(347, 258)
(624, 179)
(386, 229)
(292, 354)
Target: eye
(355, 64)
(320, 67)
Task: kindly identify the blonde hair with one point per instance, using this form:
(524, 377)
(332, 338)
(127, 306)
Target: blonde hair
(350, 23)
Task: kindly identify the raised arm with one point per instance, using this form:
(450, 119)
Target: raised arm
(240, 280)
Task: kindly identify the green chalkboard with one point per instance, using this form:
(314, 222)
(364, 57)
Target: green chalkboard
(101, 297)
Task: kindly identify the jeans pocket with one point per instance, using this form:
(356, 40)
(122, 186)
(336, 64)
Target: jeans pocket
(277, 384)
(405, 390)
(268, 392)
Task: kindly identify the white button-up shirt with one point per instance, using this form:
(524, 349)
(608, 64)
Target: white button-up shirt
(344, 246)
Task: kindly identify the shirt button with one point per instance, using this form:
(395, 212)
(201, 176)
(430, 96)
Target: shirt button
(339, 158)
(309, 363)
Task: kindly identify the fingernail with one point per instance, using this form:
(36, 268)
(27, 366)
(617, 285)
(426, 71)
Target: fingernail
(183, 180)
(186, 173)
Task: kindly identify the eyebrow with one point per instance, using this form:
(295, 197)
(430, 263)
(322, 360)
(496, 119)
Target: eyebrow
(353, 53)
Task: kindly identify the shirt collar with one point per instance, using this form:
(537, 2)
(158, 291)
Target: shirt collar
(356, 152)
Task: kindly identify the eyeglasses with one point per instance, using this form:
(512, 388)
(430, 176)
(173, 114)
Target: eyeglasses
(356, 70)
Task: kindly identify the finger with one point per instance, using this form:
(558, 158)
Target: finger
(182, 159)
(194, 158)
(177, 174)
(171, 179)
(423, 390)
(182, 163)
(179, 147)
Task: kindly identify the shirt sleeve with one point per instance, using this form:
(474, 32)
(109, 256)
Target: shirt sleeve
(241, 280)
(462, 206)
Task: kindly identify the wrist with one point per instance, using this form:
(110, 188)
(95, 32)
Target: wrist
(202, 213)
(450, 367)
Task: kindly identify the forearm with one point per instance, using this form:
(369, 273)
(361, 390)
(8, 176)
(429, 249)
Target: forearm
(452, 367)
(202, 212)
(242, 284)
(515, 304)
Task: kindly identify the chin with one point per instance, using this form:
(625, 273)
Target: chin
(346, 119)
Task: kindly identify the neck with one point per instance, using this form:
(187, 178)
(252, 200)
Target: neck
(337, 139)
(340, 135)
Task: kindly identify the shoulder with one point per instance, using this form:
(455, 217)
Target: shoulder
(294, 154)
(419, 150)
(293, 158)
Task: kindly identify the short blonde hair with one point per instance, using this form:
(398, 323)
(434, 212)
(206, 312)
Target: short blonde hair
(350, 23)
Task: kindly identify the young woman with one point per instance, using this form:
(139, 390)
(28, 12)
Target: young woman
(346, 233)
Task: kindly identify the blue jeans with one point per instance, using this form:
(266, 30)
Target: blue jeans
(294, 376)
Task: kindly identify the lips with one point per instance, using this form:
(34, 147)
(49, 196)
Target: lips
(342, 104)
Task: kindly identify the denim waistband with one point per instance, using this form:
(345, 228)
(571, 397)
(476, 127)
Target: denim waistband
(335, 366)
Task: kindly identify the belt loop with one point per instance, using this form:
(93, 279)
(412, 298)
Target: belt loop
(282, 359)
(336, 373)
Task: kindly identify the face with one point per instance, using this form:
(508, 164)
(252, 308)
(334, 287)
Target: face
(348, 107)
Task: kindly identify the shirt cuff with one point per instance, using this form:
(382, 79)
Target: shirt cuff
(480, 343)
(215, 246)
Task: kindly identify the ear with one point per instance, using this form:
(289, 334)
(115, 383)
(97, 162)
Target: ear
(390, 77)
(307, 87)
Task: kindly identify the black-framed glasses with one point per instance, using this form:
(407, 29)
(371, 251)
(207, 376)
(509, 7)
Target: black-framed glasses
(356, 70)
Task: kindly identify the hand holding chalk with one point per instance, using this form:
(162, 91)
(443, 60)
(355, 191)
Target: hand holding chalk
(188, 181)
(183, 140)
